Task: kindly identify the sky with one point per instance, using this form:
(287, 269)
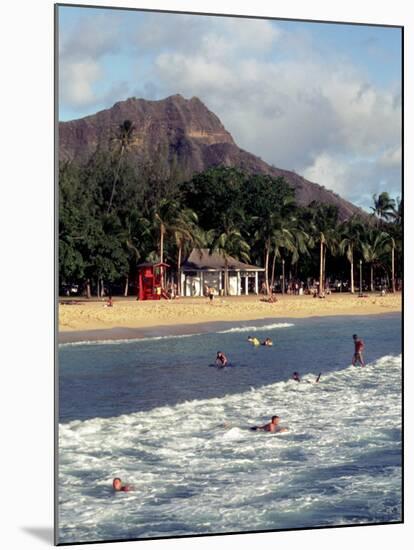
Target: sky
(323, 100)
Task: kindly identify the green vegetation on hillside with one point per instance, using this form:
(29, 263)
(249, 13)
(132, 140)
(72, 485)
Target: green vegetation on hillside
(114, 215)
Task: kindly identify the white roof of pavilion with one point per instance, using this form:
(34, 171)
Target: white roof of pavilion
(202, 260)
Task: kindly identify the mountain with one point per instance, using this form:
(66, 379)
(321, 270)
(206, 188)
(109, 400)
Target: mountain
(186, 130)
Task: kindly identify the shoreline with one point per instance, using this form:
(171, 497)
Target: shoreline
(125, 334)
(81, 320)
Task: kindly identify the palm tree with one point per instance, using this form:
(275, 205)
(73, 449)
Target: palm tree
(266, 234)
(351, 232)
(396, 228)
(331, 238)
(137, 231)
(182, 224)
(390, 245)
(291, 239)
(397, 213)
(384, 206)
(372, 249)
(281, 239)
(186, 234)
(274, 233)
(321, 222)
(165, 215)
(229, 242)
(123, 139)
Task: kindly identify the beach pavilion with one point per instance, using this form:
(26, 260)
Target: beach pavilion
(202, 269)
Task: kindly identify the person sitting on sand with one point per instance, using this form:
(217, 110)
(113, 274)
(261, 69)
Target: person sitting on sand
(253, 340)
(221, 359)
(272, 426)
(271, 299)
(170, 291)
(359, 347)
(267, 342)
(117, 486)
(109, 303)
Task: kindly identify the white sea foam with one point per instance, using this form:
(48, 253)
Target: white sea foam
(128, 340)
(256, 328)
(197, 468)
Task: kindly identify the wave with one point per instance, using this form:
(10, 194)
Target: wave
(118, 341)
(339, 463)
(256, 328)
(372, 375)
(127, 340)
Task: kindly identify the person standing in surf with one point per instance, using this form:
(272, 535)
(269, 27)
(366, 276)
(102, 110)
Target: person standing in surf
(359, 348)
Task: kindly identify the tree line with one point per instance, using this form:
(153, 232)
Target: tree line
(115, 213)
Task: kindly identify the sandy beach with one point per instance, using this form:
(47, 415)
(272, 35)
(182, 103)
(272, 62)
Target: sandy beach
(83, 315)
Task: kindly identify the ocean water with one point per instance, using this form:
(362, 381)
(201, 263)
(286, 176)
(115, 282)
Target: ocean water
(154, 413)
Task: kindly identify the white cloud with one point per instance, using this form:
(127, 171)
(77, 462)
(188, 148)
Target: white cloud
(92, 37)
(273, 90)
(357, 179)
(333, 172)
(214, 37)
(81, 51)
(76, 81)
(391, 157)
(300, 112)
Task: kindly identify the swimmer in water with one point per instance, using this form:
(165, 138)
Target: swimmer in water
(296, 377)
(272, 426)
(267, 342)
(117, 486)
(253, 340)
(221, 359)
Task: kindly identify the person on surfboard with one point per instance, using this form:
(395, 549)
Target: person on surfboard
(221, 359)
(359, 348)
(272, 426)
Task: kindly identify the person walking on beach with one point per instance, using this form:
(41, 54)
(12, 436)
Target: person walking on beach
(221, 359)
(359, 348)
(272, 426)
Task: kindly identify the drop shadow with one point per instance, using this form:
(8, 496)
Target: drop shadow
(44, 534)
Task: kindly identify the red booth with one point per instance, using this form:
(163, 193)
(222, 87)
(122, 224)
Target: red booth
(151, 281)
